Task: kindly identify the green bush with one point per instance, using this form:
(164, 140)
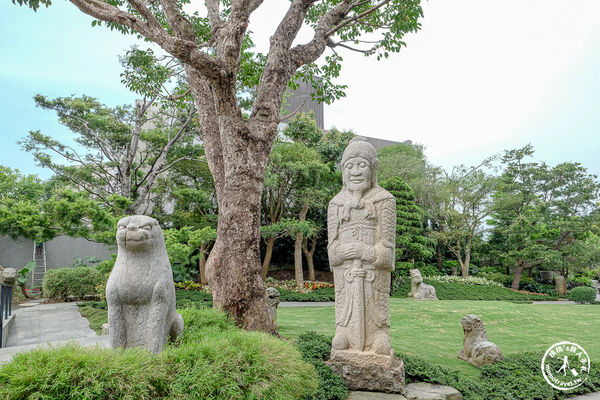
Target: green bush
(517, 377)
(323, 294)
(315, 349)
(105, 267)
(192, 299)
(80, 281)
(459, 291)
(583, 295)
(213, 360)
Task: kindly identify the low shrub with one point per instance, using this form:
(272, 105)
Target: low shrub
(80, 281)
(583, 295)
(577, 281)
(517, 377)
(315, 349)
(105, 267)
(470, 280)
(192, 299)
(460, 291)
(323, 294)
(213, 360)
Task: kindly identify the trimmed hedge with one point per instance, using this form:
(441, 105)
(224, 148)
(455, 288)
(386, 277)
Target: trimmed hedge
(79, 281)
(458, 291)
(199, 299)
(517, 377)
(583, 295)
(213, 360)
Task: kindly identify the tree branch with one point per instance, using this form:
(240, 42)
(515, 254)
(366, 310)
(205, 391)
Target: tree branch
(184, 49)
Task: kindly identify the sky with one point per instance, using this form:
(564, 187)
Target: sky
(480, 77)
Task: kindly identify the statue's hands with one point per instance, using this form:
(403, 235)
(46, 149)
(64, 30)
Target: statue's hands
(351, 251)
(358, 272)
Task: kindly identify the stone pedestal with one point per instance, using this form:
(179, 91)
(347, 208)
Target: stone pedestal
(561, 285)
(368, 371)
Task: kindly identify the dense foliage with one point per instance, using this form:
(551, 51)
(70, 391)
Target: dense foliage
(213, 360)
(79, 282)
(517, 377)
(583, 295)
(461, 291)
(315, 349)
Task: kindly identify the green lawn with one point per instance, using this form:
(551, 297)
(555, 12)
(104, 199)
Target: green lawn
(432, 330)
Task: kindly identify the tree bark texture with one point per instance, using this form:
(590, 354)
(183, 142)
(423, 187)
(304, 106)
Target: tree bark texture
(518, 274)
(298, 249)
(308, 254)
(268, 255)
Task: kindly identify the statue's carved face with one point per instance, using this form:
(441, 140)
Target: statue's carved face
(356, 174)
(415, 276)
(137, 232)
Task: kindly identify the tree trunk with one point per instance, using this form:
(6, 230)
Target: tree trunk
(202, 269)
(309, 256)
(467, 263)
(298, 260)
(518, 273)
(440, 261)
(233, 267)
(268, 255)
(298, 248)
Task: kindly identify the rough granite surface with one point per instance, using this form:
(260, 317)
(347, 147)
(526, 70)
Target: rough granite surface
(140, 292)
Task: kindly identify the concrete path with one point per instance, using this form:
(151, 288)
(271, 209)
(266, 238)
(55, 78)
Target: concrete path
(48, 323)
(37, 325)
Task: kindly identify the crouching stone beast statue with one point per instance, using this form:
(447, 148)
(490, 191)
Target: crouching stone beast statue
(477, 349)
(140, 292)
(418, 289)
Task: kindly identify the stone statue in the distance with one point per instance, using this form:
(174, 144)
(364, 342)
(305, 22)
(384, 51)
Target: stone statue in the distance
(362, 231)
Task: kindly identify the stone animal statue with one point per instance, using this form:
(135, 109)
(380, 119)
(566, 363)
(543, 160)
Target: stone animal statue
(273, 301)
(9, 276)
(140, 292)
(477, 349)
(418, 289)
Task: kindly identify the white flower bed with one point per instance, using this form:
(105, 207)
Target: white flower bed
(471, 280)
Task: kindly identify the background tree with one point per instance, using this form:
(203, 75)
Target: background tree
(237, 148)
(411, 243)
(469, 192)
(541, 214)
(38, 210)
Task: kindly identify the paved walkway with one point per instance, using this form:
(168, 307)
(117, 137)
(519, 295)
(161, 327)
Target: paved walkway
(37, 325)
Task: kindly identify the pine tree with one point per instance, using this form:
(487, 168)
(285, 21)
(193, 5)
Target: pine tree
(412, 246)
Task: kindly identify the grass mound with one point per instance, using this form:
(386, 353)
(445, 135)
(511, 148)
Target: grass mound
(213, 360)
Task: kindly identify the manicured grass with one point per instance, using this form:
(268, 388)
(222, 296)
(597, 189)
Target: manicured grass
(432, 330)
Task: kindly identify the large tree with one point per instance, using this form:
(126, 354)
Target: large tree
(542, 215)
(237, 147)
(467, 204)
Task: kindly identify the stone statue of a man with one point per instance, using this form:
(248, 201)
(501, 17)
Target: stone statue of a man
(362, 229)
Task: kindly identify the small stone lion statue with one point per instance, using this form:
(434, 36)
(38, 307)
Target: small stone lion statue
(8, 276)
(418, 289)
(140, 292)
(477, 349)
(273, 301)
